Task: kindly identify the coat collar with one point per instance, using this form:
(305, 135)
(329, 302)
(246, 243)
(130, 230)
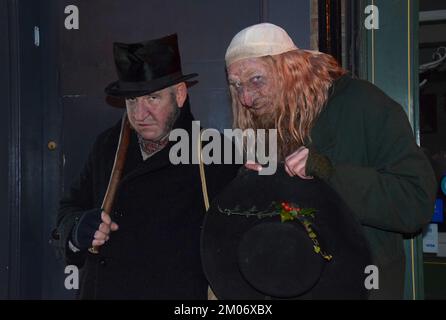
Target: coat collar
(323, 137)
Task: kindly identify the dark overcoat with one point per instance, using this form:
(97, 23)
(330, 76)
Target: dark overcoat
(159, 208)
(379, 171)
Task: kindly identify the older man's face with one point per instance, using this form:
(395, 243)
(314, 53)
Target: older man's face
(255, 83)
(153, 115)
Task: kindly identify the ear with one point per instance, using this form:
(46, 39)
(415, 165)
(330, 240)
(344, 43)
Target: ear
(181, 93)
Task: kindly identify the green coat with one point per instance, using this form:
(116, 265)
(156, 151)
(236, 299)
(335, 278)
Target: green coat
(379, 171)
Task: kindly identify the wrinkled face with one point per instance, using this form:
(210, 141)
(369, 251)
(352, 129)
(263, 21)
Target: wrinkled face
(153, 115)
(255, 83)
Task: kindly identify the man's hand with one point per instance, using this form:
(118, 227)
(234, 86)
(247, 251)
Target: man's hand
(295, 163)
(93, 229)
(253, 166)
(103, 233)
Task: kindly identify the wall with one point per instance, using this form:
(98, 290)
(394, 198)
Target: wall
(54, 92)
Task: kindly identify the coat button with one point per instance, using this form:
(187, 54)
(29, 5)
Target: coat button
(103, 262)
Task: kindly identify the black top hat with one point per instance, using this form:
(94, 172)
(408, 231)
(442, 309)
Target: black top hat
(146, 67)
(281, 237)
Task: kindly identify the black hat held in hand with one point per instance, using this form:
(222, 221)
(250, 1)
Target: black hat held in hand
(281, 237)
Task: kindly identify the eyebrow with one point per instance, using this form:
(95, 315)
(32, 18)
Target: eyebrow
(232, 79)
(256, 73)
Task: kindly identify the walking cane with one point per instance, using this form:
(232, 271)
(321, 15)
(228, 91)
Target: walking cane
(118, 167)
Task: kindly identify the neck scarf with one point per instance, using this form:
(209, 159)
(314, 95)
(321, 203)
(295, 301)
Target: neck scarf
(150, 147)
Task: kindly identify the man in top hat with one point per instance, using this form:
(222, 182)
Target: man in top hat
(343, 131)
(147, 247)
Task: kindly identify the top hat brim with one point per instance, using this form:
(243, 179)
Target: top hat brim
(137, 89)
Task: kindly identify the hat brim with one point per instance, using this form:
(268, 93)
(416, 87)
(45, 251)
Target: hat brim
(339, 233)
(235, 258)
(278, 259)
(137, 89)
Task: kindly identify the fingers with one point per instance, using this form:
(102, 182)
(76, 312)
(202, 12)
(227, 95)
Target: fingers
(108, 222)
(98, 235)
(105, 218)
(97, 243)
(253, 166)
(299, 169)
(114, 226)
(303, 176)
(296, 162)
(298, 156)
(288, 170)
(102, 235)
(104, 228)
(295, 153)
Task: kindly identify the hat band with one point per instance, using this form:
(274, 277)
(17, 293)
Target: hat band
(143, 85)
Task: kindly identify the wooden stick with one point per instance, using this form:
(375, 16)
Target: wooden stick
(118, 167)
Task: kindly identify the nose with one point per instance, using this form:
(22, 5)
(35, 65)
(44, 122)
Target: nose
(141, 111)
(245, 98)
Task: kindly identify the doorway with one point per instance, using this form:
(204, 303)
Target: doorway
(432, 70)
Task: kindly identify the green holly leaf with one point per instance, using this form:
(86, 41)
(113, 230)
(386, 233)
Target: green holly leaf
(317, 249)
(308, 212)
(312, 235)
(285, 216)
(328, 257)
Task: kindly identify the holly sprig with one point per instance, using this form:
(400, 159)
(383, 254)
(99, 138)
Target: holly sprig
(288, 212)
